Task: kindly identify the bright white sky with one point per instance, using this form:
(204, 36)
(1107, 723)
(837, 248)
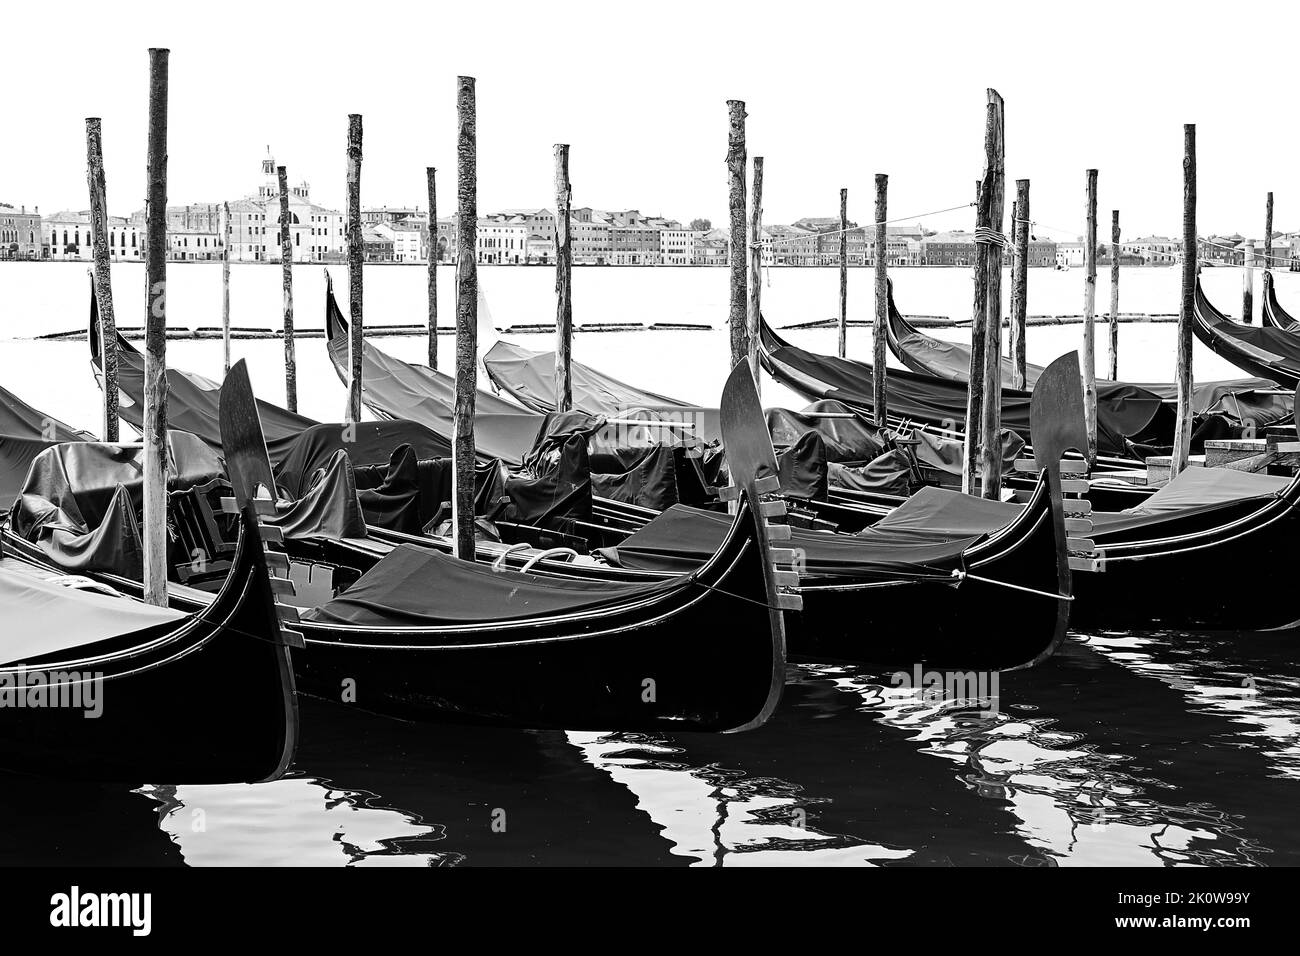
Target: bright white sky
(835, 93)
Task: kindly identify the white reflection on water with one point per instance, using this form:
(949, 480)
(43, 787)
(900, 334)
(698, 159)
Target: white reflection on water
(295, 821)
(720, 817)
(1071, 800)
(1261, 703)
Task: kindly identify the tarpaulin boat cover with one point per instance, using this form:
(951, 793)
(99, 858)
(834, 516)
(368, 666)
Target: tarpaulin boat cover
(412, 586)
(887, 474)
(1194, 489)
(395, 389)
(1123, 411)
(330, 509)
(24, 433)
(42, 617)
(192, 400)
(1242, 401)
(20, 420)
(366, 444)
(561, 489)
(80, 499)
(1262, 350)
(933, 527)
(650, 483)
(404, 490)
(846, 440)
(16, 457)
(529, 378)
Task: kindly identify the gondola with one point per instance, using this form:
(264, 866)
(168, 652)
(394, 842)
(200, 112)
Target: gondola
(1242, 401)
(1274, 316)
(1266, 351)
(411, 632)
(203, 695)
(422, 634)
(1124, 414)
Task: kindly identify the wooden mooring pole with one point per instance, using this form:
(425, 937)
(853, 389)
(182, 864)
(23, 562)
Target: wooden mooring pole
(1183, 421)
(1248, 283)
(843, 349)
(155, 339)
(1019, 285)
(431, 174)
(755, 269)
(1114, 295)
(975, 374)
(225, 286)
(286, 282)
(1090, 316)
(356, 257)
(103, 284)
(463, 451)
(993, 192)
(563, 281)
(879, 338)
(1268, 233)
(737, 156)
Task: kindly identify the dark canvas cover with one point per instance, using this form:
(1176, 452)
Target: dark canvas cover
(110, 543)
(365, 443)
(395, 389)
(846, 440)
(414, 587)
(650, 483)
(1241, 401)
(1123, 411)
(192, 400)
(330, 509)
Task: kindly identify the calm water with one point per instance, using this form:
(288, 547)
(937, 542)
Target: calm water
(1135, 749)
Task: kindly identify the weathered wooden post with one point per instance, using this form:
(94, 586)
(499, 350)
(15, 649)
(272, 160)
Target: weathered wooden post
(432, 175)
(463, 452)
(1268, 233)
(286, 281)
(99, 227)
(1090, 317)
(975, 374)
(993, 193)
(879, 337)
(356, 256)
(1114, 295)
(1013, 250)
(736, 159)
(1019, 285)
(1248, 283)
(563, 281)
(844, 274)
(1183, 425)
(755, 268)
(225, 285)
(155, 338)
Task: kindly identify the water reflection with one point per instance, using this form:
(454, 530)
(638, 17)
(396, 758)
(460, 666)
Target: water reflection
(298, 821)
(1077, 796)
(716, 816)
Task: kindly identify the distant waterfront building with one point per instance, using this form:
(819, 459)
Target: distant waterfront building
(590, 241)
(406, 237)
(637, 245)
(378, 247)
(377, 215)
(953, 248)
(541, 248)
(21, 233)
(66, 236)
(502, 243)
(713, 248)
(1069, 254)
(677, 246)
(1154, 250)
(789, 246)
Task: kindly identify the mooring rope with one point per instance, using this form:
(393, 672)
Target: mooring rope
(964, 575)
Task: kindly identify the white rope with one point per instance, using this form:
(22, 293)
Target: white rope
(887, 222)
(963, 575)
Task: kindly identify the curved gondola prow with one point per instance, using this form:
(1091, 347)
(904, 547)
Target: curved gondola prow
(751, 461)
(1056, 424)
(248, 466)
(1273, 314)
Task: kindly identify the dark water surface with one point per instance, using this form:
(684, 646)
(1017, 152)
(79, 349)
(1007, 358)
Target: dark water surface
(1143, 750)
